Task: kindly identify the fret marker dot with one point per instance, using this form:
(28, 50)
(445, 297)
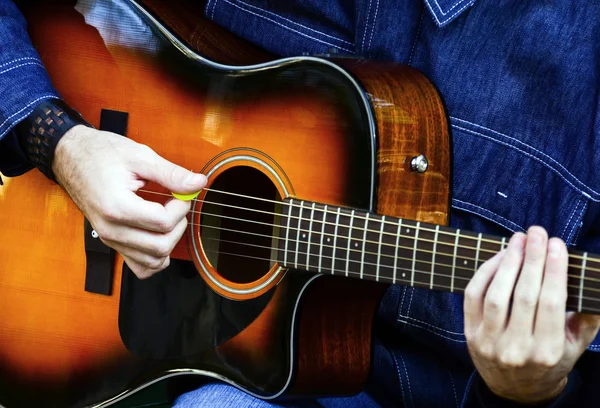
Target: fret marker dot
(408, 230)
(465, 262)
(328, 239)
(403, 274)
(356, 245)
(303, 235)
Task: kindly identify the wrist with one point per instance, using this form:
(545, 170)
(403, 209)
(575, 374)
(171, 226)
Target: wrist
(531, 395)
(66, 149)
(41, 131)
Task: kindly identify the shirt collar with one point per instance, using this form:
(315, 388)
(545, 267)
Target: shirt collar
(445, 11)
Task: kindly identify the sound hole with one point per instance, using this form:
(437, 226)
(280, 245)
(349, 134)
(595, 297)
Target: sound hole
(239, 224)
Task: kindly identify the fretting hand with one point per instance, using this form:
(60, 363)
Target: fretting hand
(526, 353)
(102, 171)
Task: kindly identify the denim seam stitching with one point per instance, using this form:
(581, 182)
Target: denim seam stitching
(22, 109)
(453, 388)
(448, 18)
(362, 44)
(490, 218)
(213, 9)
(576, 222)
(373, 25)
(19, 60)
(399, 374)
(450, 9)
(557, 163)
(534, 158)
(570, 218)
(468, 388)
(402, 302)
(412, 292)
(412, 51)
(408, 381)
(294, 22)
(286, 27)
(25, 64)
(433, 326)
(431, 331)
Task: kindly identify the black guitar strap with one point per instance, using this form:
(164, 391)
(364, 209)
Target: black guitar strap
(99, 257)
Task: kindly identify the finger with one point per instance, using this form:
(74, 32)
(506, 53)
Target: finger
(150, 243)
(152, 216)
(142, 271)
(549, 326)
(528, 287)
(475, 292)
(155, 168)
(498, 296)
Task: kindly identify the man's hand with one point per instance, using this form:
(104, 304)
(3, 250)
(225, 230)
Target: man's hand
(521, 340)
(102, 171)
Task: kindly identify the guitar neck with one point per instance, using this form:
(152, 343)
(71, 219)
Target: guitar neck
(361, 245)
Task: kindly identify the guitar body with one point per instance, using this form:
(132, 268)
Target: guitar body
(340, 132)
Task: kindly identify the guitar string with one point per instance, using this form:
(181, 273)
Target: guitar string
(402, 280)
(588, 268)
(463, 258)
(428, 273)
(575, 277)
(574, 256)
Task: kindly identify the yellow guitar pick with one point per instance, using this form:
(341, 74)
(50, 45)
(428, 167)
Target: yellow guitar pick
(186, 197)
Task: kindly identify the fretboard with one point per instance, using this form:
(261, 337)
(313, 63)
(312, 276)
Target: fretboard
(355, 244)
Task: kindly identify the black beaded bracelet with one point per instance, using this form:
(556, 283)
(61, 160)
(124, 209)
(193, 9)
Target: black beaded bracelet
(39, 133)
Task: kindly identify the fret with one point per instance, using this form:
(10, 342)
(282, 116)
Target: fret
(503, 244)
(322, 236)
(386, 249)
(591, 290)
(454, 261)
(371, 246)
(357, 256)
(398, 235)
(406, 251)
(301, 244)
(328, 247)
(423, 255)
(435, 241)
(444, 258)
(310, 224)
(489, 247)
(364, 246)
(378, 267)
(335, 238)
(414, 257)
(287, 232)
(349, 242)
(476, 266)
(581, 280)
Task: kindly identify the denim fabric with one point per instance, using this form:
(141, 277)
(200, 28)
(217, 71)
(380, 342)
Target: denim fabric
(23, 83)
(521, 84)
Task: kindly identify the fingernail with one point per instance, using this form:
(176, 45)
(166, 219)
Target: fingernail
(194, 179)
(554, 249)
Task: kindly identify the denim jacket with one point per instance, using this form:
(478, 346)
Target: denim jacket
(521, 81)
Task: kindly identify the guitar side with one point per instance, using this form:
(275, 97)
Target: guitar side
(56, 337)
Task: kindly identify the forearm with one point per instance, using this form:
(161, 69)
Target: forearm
(24, 82)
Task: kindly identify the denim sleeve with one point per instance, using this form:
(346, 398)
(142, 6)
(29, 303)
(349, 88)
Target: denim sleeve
(23, 83)
(482, 397)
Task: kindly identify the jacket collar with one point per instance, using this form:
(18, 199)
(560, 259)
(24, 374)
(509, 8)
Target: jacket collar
(445, 11)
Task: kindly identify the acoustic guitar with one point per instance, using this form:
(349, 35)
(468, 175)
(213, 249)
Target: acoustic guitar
(328, 181)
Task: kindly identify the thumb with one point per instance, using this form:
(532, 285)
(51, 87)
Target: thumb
(171, 176)
(582, 329)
